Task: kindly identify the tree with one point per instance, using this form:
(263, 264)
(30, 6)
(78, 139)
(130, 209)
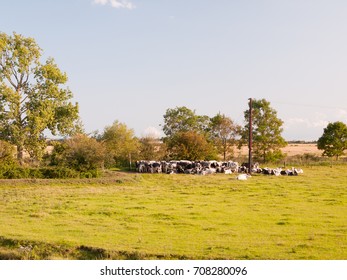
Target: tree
(177, 123)
(333, 142)
(190, 145)
(182, 119)
(32, 97)
(120, 142)
(224, 132)
(151, 148)
(266, 130)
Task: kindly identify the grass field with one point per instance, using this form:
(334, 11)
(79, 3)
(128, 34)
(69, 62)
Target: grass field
(158, 216)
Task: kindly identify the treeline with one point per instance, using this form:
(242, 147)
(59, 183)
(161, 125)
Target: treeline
(301, 142)
(187, 136)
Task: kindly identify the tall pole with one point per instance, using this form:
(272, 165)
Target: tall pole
(250, 137)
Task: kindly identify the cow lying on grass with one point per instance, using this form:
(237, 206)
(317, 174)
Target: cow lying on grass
(279, 171)
(208, 167)
(187, 167)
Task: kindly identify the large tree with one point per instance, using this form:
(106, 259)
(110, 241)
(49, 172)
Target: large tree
(183, 119)
(333, 142)
(33, 98)
(177, 123)
(224, 133)
(266, 131)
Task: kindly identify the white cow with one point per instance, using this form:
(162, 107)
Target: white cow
(243, 177)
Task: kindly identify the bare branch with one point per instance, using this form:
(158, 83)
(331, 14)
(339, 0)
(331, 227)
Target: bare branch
(23, 100)
(10, 81)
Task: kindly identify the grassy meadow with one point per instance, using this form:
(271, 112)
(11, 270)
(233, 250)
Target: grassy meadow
(159, 216)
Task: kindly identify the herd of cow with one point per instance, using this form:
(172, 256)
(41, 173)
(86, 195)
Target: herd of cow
(208, 167)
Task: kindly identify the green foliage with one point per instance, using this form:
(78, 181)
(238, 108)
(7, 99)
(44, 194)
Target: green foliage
(191, 136)
(266, 130)
(121, 143)
(224, 133)
(80, 153)
(7, 152)
(333, 142)
(9, 167)
(59, 173)
(191, 145)
(56, 157)
(273, 156)
(187, 135)
(14, 172)
(32, 96)
(182, 119)
(78, 157)
(20, 172)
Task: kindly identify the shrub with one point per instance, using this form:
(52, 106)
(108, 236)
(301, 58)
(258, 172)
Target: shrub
(59, 173)
(18, 172)
(36, 173)
(80, 153)
(90, 174)
(15, 173)
(7, 153)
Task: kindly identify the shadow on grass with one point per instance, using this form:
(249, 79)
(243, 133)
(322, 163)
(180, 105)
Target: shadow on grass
(13, 249)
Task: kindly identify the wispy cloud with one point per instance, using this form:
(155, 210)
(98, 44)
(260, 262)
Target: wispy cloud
(118, 4)
(302, 128)
(306, 122)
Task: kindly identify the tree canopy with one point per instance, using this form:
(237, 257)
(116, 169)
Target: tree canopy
(120, 142)
(183, 119)
(32, 96)
(333, 142)
(266, 130)
(224, 133)
(191, 145)
(187, 134)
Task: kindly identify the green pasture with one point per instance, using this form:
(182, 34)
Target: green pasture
(159, 216)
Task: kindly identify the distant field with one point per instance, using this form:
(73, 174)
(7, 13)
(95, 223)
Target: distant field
(299, 149)
(158, 216)
(290, 150)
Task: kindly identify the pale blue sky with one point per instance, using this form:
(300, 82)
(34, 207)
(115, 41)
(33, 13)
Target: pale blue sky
(132, 60)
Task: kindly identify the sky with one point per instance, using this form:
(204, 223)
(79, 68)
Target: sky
(131, 60)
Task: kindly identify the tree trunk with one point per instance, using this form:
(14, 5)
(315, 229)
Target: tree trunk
(224, 149)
